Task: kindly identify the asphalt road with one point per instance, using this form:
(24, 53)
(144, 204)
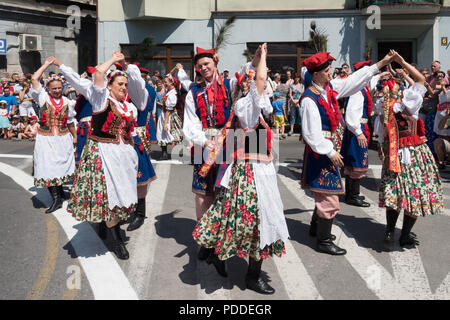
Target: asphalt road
(54, 257)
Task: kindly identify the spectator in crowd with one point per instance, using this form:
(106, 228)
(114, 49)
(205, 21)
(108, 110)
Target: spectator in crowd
(226, 74)
(435, 69)
(32, 128)
(279, 113)
(10, 99)
(156, 75)
(26, 108)
(4, 83)
(160, 92)
(441, 126)
(295, 92)
(16, 129)
(289, 80)
(4, 119)
(276, 79)
(283, 89)
(345, 70)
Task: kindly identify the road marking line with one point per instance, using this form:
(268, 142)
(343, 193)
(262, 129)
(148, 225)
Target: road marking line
(295, 277)
(18, 156)
(407, 264)
(145, 238)
(48, 266)
(70, 294)
(106, 278)
(384, 286)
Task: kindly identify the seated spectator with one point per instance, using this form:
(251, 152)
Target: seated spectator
(16, 129)
(10, 99)
(4, 119)
(32, 128)
(442, 128)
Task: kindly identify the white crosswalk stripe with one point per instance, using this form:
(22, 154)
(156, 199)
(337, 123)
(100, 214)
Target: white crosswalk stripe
(384, 286)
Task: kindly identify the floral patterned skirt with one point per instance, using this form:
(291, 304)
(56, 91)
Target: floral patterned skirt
(45, 183)
(231, 224)
(417, 189)
(89, 197)
(175, 134)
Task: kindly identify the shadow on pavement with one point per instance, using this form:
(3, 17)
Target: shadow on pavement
(197, 272)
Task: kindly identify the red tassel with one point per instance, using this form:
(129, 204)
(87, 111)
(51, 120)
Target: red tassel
(141, 147)
(108, 123)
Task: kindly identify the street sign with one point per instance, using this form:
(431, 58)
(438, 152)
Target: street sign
(2, 46)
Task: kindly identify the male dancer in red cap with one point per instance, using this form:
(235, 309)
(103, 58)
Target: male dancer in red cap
(322, 159)
(207, 110)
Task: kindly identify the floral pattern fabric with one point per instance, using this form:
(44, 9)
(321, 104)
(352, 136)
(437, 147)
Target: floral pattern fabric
(231, 224)
(176, 130)
(45, 183)
(417, 188)
(89, 197)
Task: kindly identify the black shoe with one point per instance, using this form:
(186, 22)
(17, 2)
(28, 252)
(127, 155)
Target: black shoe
(164, 155)
(391, 220)
(218, 264)
(253, 280)
(138, 217)
(118, 246)
(102, 230)
(313, 226)
(324, 242)
(57, 201)
(352, 194)
(204, 253)
(405, 237)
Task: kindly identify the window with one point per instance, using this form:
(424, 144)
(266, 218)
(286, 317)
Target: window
(165, 57)
(284, 55)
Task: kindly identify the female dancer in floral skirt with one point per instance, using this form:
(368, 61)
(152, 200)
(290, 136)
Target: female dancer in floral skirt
(410, 178)
(105, 186)
(169, 129)
(246, 218)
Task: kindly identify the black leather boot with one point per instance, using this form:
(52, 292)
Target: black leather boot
(253, 280)
(138, 217)
(61, 192)
(204, 253)
(57, 201)
(164, 155)
(218, 264)
(405, 236)
(118, 246)
(102, 230)
(324, 242)
(353, 190)
(391, 220)
(313, 226)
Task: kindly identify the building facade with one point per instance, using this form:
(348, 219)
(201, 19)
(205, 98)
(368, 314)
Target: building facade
(354, 29)
(35, 30)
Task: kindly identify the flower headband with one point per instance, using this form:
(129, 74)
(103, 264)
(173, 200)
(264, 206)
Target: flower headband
(172, 79)
(117, 73)
(245, 79)
(54, 77)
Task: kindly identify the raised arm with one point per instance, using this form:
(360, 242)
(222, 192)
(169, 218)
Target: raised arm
(136, 86)
(38, 74)
(261, 71)
(81, 84)
(100, 71)
(359, 79)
